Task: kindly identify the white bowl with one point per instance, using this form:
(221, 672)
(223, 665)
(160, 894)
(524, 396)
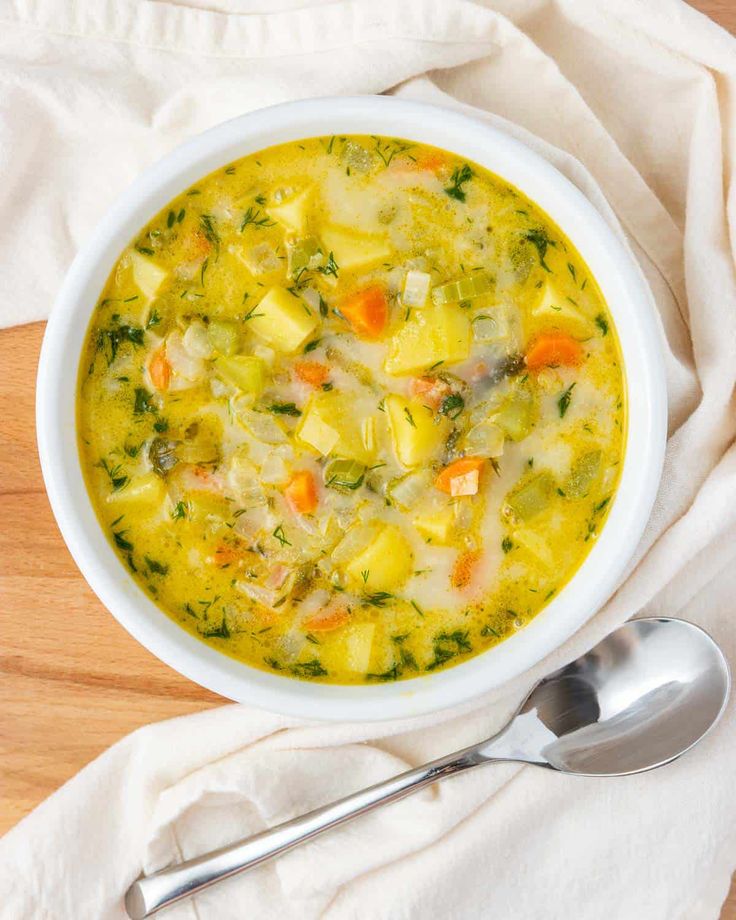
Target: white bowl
(623, 287)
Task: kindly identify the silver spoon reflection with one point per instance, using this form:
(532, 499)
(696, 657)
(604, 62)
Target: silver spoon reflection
(639, 699)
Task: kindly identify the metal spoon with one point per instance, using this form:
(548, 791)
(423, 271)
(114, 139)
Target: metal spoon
(642, 697)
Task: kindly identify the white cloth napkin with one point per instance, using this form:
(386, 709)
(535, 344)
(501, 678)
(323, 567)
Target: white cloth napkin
(635, 101)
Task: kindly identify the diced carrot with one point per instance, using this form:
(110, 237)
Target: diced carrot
(227, 554)
(431, 161)
(327, 620)
(366, 311)
(429, 390)
(195, 246)
(462, 571)
(301, 492)
(465, 472)
(160, 369)
(311, 372)
(551, 349)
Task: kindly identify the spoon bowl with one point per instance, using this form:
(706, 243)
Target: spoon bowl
(642, 697)
(639, 699)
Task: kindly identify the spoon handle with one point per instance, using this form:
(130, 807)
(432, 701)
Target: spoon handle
(150, 894)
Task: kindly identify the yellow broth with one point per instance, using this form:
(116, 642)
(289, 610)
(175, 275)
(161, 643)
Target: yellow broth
(351, 409)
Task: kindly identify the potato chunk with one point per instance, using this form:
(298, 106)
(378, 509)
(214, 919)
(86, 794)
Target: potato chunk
(292, 214)
(437, 527)
(147, 274)
(353, 250)
(415, 433)
(330, 425)
(554, 308)
(430, 335)
(356, 646)
(385, 564)
(282, 320)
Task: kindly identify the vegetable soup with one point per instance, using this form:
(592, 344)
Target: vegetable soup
(351, 409)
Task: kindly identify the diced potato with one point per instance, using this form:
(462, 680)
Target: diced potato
(437, 527)
(555, 308)
(148, 489)
(430, 335)
(147, 275)
(316, 433)
(246, 372)
(385, 564)
(353, 250)
(292, 214)
(357, 645)
(281, 320)
(415, 434)
(330, 426)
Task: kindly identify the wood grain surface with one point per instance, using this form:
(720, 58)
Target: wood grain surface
(72, 681)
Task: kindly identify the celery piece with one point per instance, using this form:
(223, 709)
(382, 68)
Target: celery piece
(583, 474)
(530, 499)
(344, 475)
(246, 372)
(303, 255)
(465, 288)
(517, 415)
(223, 337)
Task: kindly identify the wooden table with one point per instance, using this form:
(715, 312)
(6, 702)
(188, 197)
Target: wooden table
(71, 679)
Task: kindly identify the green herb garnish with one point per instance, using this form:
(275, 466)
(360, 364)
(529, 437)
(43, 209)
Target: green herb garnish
(280, 535)
(452, 405)
(285, 409)
(563, 403)
(459, 177)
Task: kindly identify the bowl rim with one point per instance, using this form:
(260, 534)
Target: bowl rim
(623, 286)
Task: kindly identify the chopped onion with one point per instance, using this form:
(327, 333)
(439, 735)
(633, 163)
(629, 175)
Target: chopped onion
(416, 288)
(312, 298)
(196, 341)
(485, 440)
(355, 540)
(244, 483)
(262, 426)
(407, 491)
(273, 469)
(182, 363)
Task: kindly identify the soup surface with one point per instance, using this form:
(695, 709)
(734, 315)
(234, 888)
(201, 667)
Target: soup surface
(351, 409)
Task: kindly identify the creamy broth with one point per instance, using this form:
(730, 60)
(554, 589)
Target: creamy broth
(351, 409)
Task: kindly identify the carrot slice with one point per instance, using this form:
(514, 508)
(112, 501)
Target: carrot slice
(462, 571)
(160, 369)
(552, 349)
(461, 476)
(325, 621)
(311, 372)
(301, 492)
(366, 311)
